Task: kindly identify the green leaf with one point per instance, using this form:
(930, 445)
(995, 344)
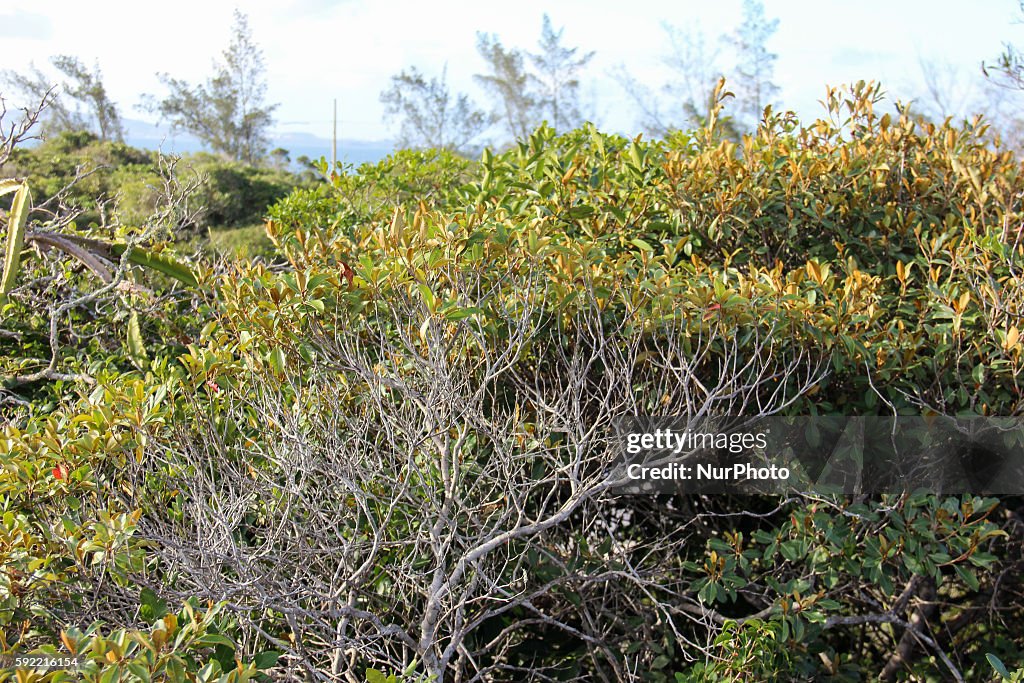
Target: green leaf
(998, 665)
(210, 639)
(139, 671)
(152, 608)
(136, 347)
(266, 660)
(375, 676)
(276, 359)
(968, 577)
(175, 669)
(580, 211)
(634, 156)
(411, 669)
(161, 262)
(428, 297)
(983, 560)
(709, 592)
(316, 281)
(15, 238)
(111, 675)
(462, 313)
(208, 672)
(792, 550)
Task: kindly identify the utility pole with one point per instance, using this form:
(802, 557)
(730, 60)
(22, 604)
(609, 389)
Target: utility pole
(334, 138)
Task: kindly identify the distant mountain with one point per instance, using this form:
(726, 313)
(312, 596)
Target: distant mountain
(151, 136)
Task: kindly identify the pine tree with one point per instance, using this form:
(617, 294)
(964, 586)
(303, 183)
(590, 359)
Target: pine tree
(509, 83)
(79, 102)
(557, 78)
(431, 115)
(525, 96)
(228, 112)
(755, 68)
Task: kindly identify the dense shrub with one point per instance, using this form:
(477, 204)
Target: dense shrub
(394, 450)
(231, 195)
(235, 194)
(107, 168)
(858, 245)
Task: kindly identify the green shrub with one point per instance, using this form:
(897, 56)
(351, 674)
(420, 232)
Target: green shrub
(107, 168)
(188, 645)
(392, 448)
(244, 242)
(234, 194)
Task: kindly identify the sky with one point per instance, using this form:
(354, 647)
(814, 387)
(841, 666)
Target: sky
(318, 50)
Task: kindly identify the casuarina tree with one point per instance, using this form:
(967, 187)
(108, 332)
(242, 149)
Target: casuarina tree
(228, 113)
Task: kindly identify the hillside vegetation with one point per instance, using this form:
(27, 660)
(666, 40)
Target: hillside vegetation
(387, 449)
(104, 179)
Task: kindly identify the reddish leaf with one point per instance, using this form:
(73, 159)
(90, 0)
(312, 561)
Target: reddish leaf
(348, 273)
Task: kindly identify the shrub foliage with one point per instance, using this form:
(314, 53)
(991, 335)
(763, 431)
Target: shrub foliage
(391, 451)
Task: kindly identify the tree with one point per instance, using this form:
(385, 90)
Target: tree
(695, 63)
(526, 97)
(1008, 70)
(509, 83)
(949, 92)
(431, 115)
(521, 513)
(946, 91)
(557, 68)
(694, 69)
(280, 158)
(756, 65)
(228, 112)
(79, 102)
(1006, 85)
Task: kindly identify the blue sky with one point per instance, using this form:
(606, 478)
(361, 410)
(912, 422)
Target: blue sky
(316, 50)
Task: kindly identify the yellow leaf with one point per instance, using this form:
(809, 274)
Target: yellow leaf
(397, 226)
(159, 638)
(814, 270)
(68, 643)
(1012, 337)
